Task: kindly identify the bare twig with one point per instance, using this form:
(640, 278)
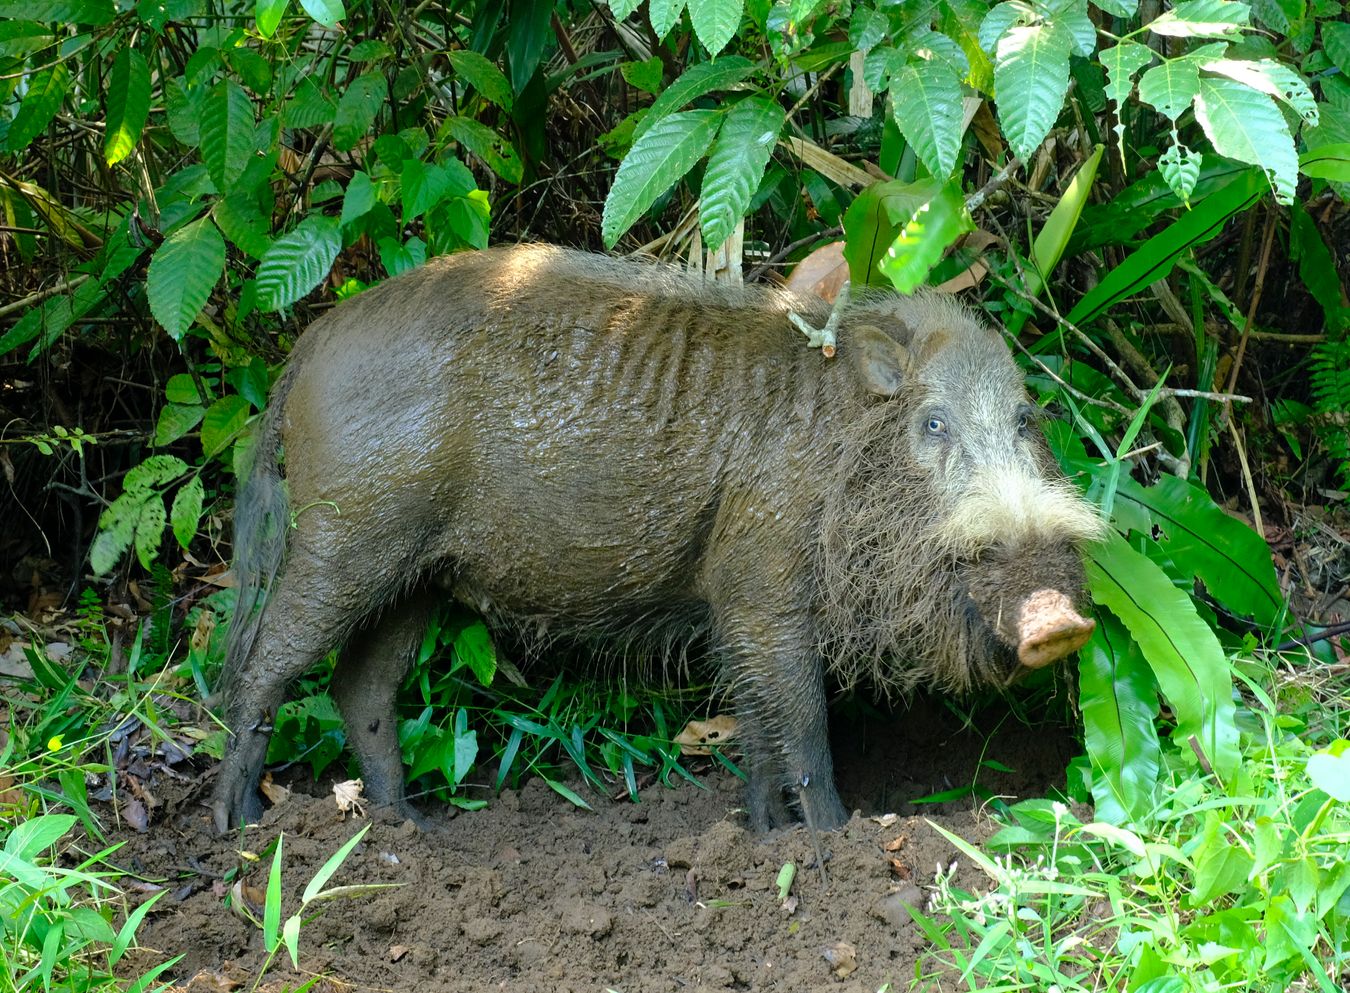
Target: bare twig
(35, 298)
(976, 200)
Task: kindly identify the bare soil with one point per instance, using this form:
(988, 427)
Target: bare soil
(671, 893)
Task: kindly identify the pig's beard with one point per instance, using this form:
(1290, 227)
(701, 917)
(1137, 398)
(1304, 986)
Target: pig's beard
(893, 606)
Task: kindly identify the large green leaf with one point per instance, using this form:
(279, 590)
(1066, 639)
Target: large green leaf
(736, 165)
(327, 12)
(1178, 645)
(150, 530)
(663, 15)
(490, 82)
(715, 21)
(487, 144)
(297, 262)
(424, 185)
(182, 274)
(1121, 63)
(1273, 79)
(1171, 87)
(359, 197)
(924, 237)
(1048, 248)
(1202, 19)
(1245, 124)
(1230, 558)
(357, 108)
(926, 105)
(222, 423)
(693, 83)
(46, 90)
(1118, 698)
(1317, 267)
(267, 15)
(226, 133)
(1155, 258)
(186, 513)
(1031, 77)
(1000, 19)
(1336, 42)
(1327, 162)
(657, 160)
(128, 104)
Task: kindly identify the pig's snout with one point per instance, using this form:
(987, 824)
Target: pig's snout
(1049, 628)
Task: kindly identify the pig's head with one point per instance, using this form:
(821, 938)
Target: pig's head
(952, 530)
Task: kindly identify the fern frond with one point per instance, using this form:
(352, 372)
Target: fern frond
(1331, 401)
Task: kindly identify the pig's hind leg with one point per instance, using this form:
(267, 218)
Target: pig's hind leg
(311, 607)
(369, 671)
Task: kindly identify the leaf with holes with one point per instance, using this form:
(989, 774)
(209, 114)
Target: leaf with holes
(487, 144)
(736, 165)
(1180, 168)
(46, 91)
(490, 82)
(1272, 78)
(297, 262)
(658, 159)
(715, 22)
(182, 274)
(1178, 645)
(926, 106)
(1171, 87)
(150, 530)
(1031, 77)
(227, 133)
(1246, 125)
(128, 104)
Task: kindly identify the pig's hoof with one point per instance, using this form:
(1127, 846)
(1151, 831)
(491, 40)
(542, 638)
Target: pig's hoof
(232, 808)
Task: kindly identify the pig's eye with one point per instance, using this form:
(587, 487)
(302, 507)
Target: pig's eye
(937, 426)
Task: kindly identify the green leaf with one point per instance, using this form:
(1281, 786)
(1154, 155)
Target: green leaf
(663, 15)
(267, 15)
(1178, 645)
(490, 82)
(1245, 124)
(1230, 558)
(1171, 87)
(1317, 267)
(1327, 162)
(176, 420)
(222, 423)
(1118, 698)
(487, 144)
(18, 38)
(1273, 79)
(128, 104)
(327, 12)
(736, 165)
(926, 105)
(359, 197)
(182, 388)
(46, 91)
(646, 75)
(1083, 33)
(693, 83)
(1329, 771)
(310, 106)
(1155, 258)
(1048, 248)
(1121, 63)
(623, 9)
(239, 219)
(1180, 168)
(1001, 19)
(227, 133)
(182, 274)
(297, 262)
(1031, 77)
(1336, 42)
(425, 184)
(715, 22)
(117, 526)
(357, 109)
(923, 238)
(183, 110)
(186, 513)
(1202, 19)
(660, 156)
(150, 530)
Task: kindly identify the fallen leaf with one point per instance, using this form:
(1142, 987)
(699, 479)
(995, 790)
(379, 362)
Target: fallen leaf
(698, 735)
(822, 272)
(886, 820)
(397, 952)
(843, 958)
(790, 905)
(900, 868)
(348, 797)
(896, 843)
(275, 792)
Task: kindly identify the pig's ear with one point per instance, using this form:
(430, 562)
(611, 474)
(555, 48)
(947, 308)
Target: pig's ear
(881, 361)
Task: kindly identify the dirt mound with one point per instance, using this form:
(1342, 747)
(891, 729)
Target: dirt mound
(669, 893)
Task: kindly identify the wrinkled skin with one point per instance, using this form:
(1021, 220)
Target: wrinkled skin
(594, 449)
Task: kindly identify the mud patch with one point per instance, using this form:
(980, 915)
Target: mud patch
(670, 893)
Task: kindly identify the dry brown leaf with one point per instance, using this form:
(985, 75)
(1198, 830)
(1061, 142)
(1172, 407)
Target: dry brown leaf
(698, 735)
(790, 905)
(134, 813)
(843, 958)
(896, 843)
(886, 820)
(900, 869)
(349, 797)
(275, 792)
(397, 952)
(822, 272)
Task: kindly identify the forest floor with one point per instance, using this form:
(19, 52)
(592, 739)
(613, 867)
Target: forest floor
(532, 893)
